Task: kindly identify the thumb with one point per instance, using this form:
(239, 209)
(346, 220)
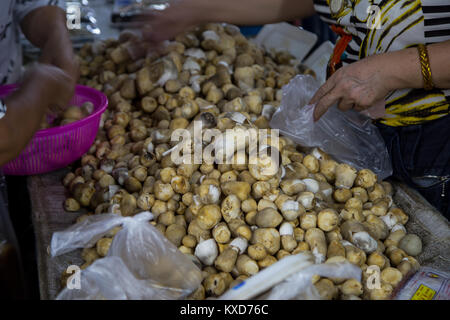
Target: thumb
(48, 72)
(130, 35)
(59, 81)
(136, 49)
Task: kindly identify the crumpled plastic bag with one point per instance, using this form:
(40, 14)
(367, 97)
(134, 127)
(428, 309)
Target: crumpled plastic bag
(102, 282)
(348, 137)
(146, 253)
(435, 284)
(299, 286)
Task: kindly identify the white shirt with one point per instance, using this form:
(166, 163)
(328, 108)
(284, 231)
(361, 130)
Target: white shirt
(11, 14)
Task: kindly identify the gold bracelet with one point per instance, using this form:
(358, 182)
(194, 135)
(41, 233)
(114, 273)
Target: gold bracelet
(425, 66)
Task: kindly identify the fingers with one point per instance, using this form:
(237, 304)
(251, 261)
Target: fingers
(346, 104)
(329, 85)
(148, 17)
(358, 108)
(62, 58)
(156, 27)
(326, 102)
(57, 74)
(70, 67)
(136, 49)
(323, 90)
(46, 73)
(54, 82)
(54, 110)
(129, 35)
(156, 31)
(159, 26)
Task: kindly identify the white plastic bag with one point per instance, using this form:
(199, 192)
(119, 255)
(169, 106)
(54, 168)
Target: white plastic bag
(269, 277)
(290, 279)
(145, 252)
(86, 233)
(101, 281)
(349, 137)
(299, 286)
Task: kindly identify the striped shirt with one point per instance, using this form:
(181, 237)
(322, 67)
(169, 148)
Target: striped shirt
(379, 26)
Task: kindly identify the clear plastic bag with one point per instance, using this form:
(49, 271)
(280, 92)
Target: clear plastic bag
(101, 281)
(145, 252)
(349, 137)
(128, 13)
(299, 286)
(263, 281)
(425, 284)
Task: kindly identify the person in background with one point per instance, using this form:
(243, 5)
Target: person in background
(320, 28)
(394, 51)
(48, 85)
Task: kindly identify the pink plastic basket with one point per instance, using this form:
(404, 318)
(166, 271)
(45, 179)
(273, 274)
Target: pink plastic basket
(55, 148)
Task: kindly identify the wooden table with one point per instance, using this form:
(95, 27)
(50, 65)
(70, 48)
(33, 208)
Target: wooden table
(47, 195)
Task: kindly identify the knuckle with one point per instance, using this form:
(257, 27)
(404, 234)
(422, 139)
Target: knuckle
(341, 74)
(364, 104)
(343, 106)
(321, 91)
(347, 86)
(354, 95)
(327, 100)
(320, 106)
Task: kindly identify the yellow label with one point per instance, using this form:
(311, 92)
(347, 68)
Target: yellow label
(423, 293)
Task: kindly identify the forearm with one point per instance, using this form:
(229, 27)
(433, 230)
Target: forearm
(45, 27)
(404, 71)
(247, 12)
(45, 23)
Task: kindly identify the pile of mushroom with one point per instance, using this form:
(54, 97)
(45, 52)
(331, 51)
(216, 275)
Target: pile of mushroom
(65, 116)
(231, 219)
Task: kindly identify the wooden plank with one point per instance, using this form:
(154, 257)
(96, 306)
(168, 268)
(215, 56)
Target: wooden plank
(47, 196)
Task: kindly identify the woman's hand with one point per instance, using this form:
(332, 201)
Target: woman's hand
(48, 85)
(167, 24)
(356, 86)
(43, 87)
(183, 14)
(157, 27)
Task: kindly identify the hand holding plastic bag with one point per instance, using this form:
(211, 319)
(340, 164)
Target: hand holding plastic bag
(349, 137)
(144, 251)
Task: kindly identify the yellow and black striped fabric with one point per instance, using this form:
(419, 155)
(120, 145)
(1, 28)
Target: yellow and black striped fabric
(379, 26)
